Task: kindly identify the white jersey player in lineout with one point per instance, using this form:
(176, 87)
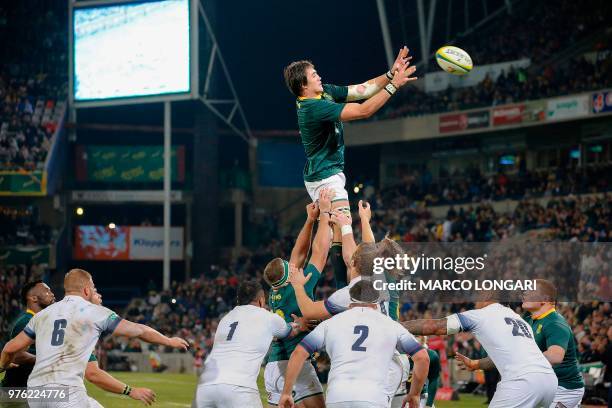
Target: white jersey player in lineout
(360, 264)
(242, 339)
(527, 378)
(66, 333)
(361, 343)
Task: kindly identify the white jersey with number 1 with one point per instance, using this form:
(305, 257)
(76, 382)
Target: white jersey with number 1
(242, 340)
(66, 333)
(361, 343)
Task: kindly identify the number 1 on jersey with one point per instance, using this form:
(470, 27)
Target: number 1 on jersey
(232, 330)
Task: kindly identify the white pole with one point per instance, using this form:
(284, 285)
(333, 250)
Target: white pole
(167, 187)
(382, 15)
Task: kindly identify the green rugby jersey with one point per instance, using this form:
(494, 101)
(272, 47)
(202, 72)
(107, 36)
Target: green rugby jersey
(394, 298)
(18, 377)
(551, 329)
(284, 303)
(322, 132)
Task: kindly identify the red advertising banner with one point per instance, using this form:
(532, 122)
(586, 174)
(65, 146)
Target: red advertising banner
(122, 243)
(101, 243)
(453, 123)
(508, 115)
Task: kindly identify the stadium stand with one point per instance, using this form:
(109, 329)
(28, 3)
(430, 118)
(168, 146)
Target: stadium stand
(579, 205)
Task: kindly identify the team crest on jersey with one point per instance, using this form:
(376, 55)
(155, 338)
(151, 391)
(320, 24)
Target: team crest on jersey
(327, 96)
(276, 297)
(539, 330)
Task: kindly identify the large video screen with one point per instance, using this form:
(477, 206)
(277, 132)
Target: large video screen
(131, 50)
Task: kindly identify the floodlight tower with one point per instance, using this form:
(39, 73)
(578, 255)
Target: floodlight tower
(93, 24)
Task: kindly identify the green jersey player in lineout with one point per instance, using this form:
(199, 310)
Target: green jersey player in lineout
(321, 109)
(308, 392)
(556, 340)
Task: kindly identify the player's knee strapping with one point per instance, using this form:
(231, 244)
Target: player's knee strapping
(346, 210)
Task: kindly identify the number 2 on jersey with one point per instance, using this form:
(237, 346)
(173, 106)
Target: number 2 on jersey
(232, 330)
(363, 331)
(57, 337)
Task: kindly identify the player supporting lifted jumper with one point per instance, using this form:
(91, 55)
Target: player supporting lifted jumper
(361, 343)
(321, 109)
(528, 380)
(282, 301)
(242, 339)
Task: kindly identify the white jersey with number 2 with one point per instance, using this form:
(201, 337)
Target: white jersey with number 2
(361, 343)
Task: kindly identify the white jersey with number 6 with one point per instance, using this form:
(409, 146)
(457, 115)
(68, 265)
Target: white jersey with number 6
(360, 342)
(66, 333)
(242, 340)
(506, 337)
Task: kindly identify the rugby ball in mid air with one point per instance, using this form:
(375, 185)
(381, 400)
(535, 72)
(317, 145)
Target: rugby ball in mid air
(454, 60)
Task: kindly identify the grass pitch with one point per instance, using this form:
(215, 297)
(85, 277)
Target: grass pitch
(177, 390)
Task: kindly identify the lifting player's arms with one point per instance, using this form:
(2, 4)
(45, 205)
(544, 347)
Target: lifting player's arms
(282, 301)
(528, 380)
(65, 334)
(321, 109)
(361, 343)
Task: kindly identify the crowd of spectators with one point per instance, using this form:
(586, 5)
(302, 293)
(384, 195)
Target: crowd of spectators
(538, 34)
(539, 30)
(29, 116)
(471, 185)
(516, 85)
(32, 81)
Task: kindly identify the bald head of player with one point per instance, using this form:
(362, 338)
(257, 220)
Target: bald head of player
(79, 282)
(37, 295)
(542, 299)
(251, 293)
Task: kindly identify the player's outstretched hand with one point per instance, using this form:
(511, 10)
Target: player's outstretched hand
(401, 59)
(312, 210)
(296, 276)
(365, 213)
(340, 219)
(466, 363)
(325, 197)
(404, 75)
(286, 401)
(178, 343)
(145, 395)
(411, 401)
